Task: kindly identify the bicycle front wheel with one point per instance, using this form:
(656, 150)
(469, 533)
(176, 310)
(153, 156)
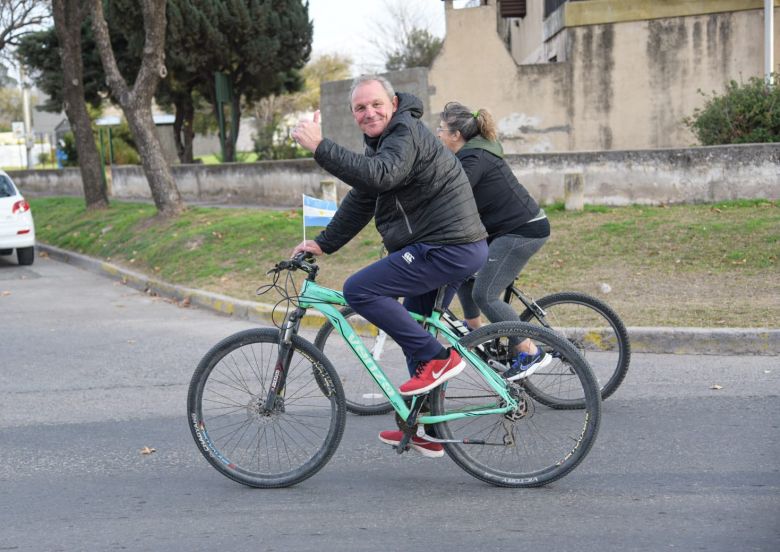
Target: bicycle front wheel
(233, 430)
(534, 444)
(594, 329)
(363, 395)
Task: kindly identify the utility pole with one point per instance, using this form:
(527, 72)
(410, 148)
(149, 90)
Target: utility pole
(29, 138)
(769, 40)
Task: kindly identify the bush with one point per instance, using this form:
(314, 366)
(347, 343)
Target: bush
(744, 114)
(69, 147)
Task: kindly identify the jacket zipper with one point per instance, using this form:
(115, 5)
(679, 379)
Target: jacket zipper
(406, 219)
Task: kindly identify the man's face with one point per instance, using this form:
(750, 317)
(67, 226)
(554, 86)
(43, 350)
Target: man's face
(372, 108)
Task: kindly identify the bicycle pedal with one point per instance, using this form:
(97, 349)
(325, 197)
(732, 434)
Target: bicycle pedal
(401, 450)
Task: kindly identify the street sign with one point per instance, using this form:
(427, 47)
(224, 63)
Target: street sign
(18, 129)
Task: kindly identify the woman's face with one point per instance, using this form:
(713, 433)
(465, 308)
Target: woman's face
(451, 139)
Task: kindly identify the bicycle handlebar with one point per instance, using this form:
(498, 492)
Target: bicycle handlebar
(301, 261)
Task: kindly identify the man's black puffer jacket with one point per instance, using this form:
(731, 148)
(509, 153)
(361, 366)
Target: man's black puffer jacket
(413, 186)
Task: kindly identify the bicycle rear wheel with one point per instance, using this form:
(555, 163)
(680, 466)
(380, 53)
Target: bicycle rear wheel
(535, 444)
(363, 395)
(225, 407)
(594, 329)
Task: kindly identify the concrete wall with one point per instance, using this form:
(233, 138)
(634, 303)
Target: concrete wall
(628, 72)
(609, 178)
(267, 184)
(635, 82)
(652, 177)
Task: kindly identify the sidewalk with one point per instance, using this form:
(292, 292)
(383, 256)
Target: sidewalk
(699, 341)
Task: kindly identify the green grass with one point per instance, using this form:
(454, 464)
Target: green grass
(695, 265)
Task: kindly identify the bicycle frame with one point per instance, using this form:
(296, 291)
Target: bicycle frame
(529, 303)
(326, 301)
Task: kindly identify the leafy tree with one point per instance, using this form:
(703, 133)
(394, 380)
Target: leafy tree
(418, 49)
(10, 108)
(39, 51)
(745, 113)
(260, 47)
(136, 101)
(324, 68)
(403, 39)
(20, 17)
(272, 140)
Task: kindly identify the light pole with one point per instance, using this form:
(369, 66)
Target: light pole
(29, 140)
(769, 40)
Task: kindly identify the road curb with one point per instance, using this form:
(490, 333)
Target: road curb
(676, 340)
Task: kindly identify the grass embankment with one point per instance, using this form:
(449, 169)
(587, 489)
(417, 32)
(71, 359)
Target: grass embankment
(687, 265)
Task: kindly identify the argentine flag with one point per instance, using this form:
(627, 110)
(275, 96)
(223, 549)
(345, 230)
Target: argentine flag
(317, 212)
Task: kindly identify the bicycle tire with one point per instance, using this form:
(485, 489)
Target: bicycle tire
(224, 410)
(595, 329)
(546, 443)
(363, 395)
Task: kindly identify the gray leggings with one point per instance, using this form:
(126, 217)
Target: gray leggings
(507, 255)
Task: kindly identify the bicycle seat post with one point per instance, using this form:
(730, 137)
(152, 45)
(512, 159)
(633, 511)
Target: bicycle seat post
(437, 306)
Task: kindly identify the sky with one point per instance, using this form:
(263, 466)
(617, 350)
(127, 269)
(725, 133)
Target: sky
(346, 26)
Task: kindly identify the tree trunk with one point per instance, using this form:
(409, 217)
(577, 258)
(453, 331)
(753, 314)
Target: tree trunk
(68, 15)
(183, 128)
(136, 103)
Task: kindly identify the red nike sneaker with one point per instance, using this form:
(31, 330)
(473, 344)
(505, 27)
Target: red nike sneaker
(433, 373)
(426, 448)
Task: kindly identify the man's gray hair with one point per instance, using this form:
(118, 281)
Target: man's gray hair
(368, 78)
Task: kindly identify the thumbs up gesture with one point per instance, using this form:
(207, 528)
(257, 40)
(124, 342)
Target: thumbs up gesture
(308, 133)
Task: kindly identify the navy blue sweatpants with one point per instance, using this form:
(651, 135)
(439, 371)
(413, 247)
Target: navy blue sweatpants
(415, 272)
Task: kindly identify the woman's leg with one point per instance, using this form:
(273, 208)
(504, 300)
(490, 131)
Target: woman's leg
(470, 308)
(507, 256)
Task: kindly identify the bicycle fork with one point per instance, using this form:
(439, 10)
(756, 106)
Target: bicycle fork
(279, 378)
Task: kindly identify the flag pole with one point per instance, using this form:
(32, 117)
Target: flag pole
(303, 203)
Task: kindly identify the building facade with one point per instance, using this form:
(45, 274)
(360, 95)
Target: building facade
(596, 74)
(582, 75)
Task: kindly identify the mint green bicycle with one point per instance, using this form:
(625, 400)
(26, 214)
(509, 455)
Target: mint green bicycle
(267, 409)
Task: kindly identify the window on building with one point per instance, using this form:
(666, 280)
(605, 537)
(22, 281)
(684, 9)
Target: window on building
(513, 8)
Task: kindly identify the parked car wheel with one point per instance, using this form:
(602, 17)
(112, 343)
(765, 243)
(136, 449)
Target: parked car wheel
(25, 255)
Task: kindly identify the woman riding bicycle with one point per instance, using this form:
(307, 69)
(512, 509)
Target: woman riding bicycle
(517, 228)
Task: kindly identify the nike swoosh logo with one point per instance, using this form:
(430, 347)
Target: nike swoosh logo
(439, 373)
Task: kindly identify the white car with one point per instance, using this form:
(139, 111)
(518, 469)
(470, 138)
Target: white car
(17, 230)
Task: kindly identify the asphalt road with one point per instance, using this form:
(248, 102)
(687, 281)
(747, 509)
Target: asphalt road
(91, 372)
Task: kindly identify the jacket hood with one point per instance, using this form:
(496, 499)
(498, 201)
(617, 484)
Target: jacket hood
(478, 142)
(410, 103)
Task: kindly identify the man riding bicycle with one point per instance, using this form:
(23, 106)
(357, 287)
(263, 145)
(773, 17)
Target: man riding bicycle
(424, 210)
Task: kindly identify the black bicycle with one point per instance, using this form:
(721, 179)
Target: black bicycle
(591, 325)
